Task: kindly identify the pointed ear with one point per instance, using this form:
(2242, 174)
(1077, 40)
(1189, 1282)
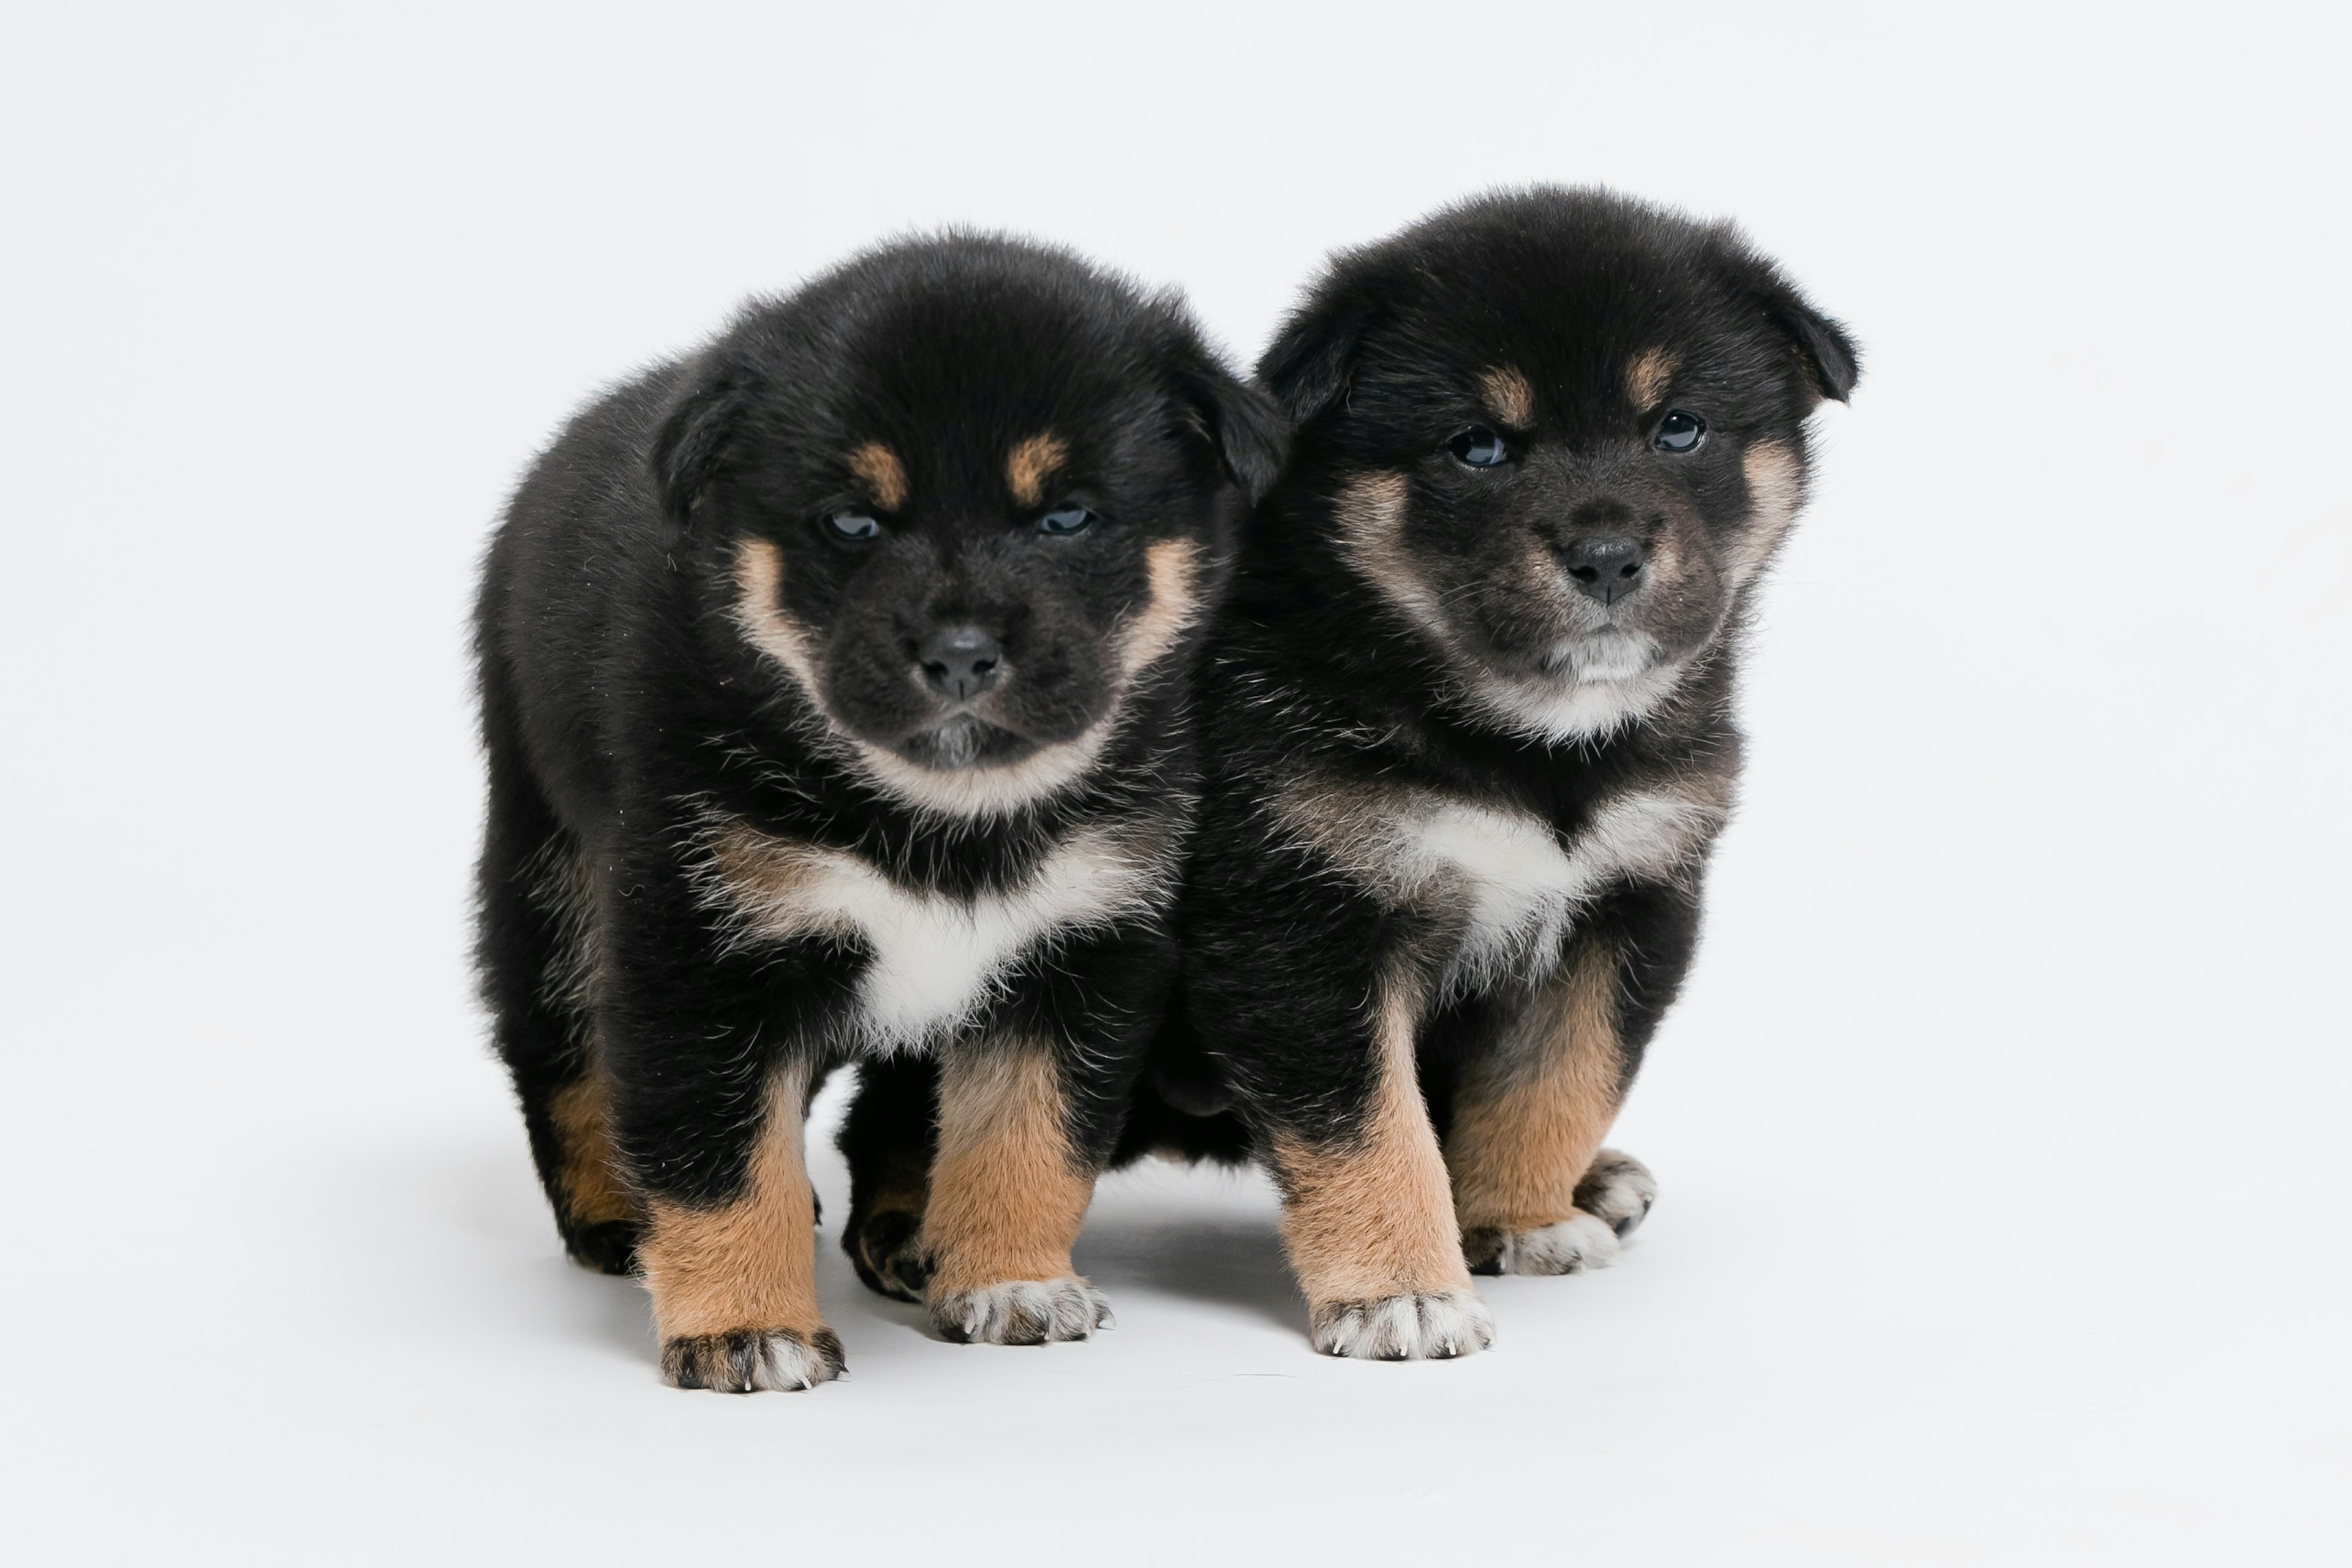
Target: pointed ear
(1307, 365)
(1251, 435)
(692, 440)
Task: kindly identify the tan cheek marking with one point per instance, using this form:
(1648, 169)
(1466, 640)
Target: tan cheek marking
(1528, 1118)
(1174, 566)
(1776, 486)
(1374, 1218)
(759, 615)
(746, 1265)
(1646, 378)
(593, 1190)
(1370, 511)
(1508, 397)
(883, 475)
(1008, 1193)
(1030, 465)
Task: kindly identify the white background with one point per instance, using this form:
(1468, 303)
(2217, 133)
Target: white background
(2000, 1129)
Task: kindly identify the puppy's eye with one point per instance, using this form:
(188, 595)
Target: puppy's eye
(853, 525)
(1066, 519)
(1679, 432)
(1479, 448)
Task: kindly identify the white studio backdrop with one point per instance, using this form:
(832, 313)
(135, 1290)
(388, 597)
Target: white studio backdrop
(2000, 1126)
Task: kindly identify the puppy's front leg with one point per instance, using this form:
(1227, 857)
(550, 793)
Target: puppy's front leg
(1009, 1190)
(1532, 1183)
(1368, 1218)
(734, 1280)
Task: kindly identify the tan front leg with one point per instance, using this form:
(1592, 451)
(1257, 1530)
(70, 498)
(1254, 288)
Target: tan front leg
(1369, 1221)
(1008, 1195)
(1528, 1118)
(734, 1286)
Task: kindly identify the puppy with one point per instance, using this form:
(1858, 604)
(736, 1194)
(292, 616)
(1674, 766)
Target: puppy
(1469, 730)
(833, 685)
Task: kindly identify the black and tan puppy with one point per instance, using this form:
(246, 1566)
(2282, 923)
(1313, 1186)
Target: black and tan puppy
(1468, 723)
(833, 683)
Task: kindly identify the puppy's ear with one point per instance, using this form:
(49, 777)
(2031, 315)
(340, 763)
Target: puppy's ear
(1825, 349)
(1307, 365)
(1250, 434)
(692, 439)
(1823, 346)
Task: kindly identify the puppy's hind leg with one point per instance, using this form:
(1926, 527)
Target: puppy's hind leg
(536, 965)
(890, 1138)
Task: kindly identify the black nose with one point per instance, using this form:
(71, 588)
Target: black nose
(1606, 566)
(960, 662)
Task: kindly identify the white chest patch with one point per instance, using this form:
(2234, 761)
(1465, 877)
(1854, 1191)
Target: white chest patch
(1510, 881)
(934, 959)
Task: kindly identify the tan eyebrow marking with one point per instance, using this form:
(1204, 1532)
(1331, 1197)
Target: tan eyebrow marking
(1646, 377)
(1029, 462)
(1509, 398)
(884, 475)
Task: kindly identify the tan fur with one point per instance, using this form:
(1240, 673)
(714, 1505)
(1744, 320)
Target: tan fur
(760, 612)
(1508, 396)
(1373, 1218)
(1007, 1195)
(749, 1265)
(1646, 378)
(1370, 511)
(1528, 1118)
(1030, 465)
(884, 476)
(1175, 602)
(1776, 486)
(593, 1190)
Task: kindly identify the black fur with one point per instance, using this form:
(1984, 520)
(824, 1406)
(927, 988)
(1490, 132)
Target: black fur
(627, 714)
(1326, 673)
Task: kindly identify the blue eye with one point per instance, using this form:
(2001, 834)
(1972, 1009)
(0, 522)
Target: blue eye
(1070, 518)
(853, 525)
(1679, 432)
(1479, 448)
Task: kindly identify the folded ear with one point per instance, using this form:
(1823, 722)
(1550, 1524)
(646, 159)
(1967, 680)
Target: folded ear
(692, 440)
(1307, 365)
(1251, 435)
(1823, 348)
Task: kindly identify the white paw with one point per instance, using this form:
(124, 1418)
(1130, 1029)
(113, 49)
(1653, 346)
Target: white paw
(1571, 1246)
(1432, 1327)
(747, 1362)
(1023, 1312)
(1618, 1190)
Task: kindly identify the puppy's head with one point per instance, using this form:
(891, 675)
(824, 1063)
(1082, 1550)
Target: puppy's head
(964, 494)
(1562, 432)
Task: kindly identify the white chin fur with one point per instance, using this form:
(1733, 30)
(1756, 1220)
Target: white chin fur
(1578, 707)
(982, 792)
(1433, 1326)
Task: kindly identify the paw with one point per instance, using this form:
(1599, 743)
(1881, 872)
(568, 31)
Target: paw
(1023, 1312)
(781, 1359)
(1437, 1326)
(609, 1246)
(887, 1249)
(1571, 1246)
(1618, 1190)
